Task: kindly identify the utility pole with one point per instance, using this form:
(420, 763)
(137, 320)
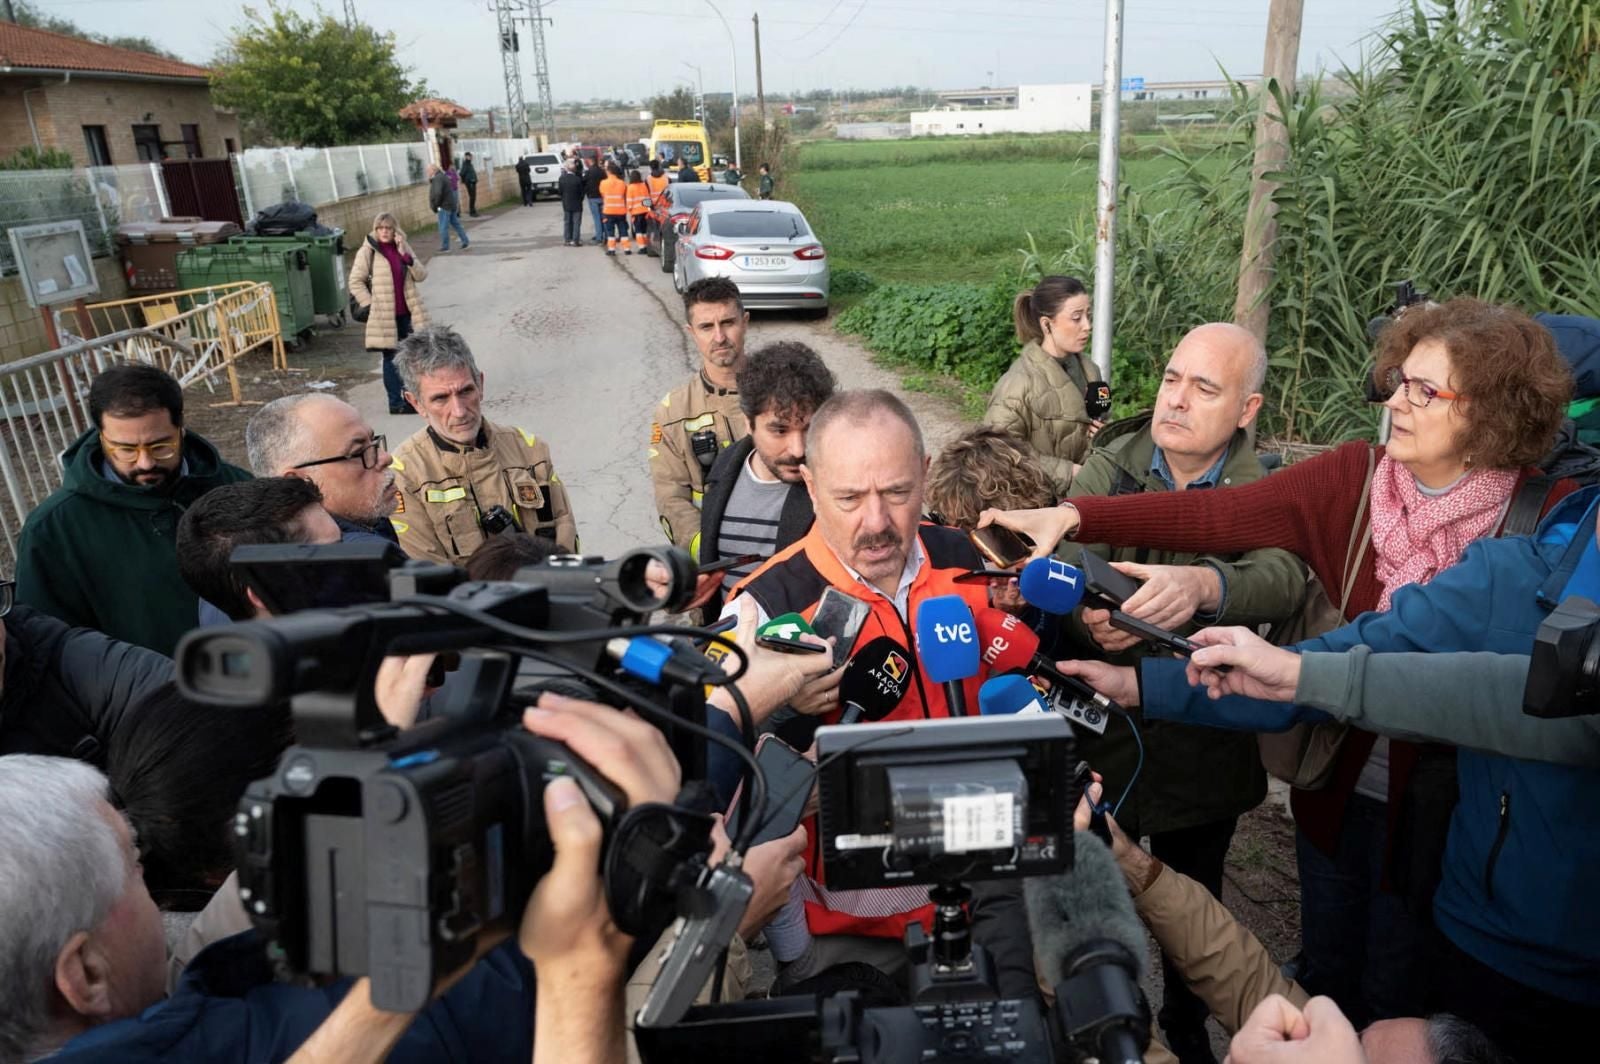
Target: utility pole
(761, 94)
(349, 13)
(1105, 239)
(1251, 308)
(541, 70)
(511, 67)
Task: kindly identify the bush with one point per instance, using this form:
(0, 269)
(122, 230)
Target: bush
(850, 282)
(30, 158)
(960, 329)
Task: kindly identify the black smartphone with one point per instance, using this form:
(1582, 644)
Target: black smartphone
(729, 563)
(790, 778)
(1104, 582)
(840, 616)
(1159, 636)
(1001, 546)
(790, 646)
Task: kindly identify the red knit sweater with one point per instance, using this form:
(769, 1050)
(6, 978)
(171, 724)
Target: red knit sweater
(1308, 509)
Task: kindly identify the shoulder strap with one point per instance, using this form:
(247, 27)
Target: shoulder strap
(1360, 536)
(1527, 506)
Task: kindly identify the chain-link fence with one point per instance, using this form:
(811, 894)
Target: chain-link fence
(101, 197)
(320, 176)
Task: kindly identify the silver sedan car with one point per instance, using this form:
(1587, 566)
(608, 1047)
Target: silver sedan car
(763, 246)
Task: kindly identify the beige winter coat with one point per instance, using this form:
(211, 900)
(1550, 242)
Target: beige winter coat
(375, 288)
(1040, 399)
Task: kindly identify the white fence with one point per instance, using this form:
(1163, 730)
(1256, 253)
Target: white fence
(320, 176)
(101, 197)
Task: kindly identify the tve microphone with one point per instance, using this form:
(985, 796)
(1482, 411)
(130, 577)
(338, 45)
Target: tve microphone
(1008, 694)
(1009, 645)
(874, 681)
(1097, 399)
(1090, 945)
(1052, 585)
(947, 644)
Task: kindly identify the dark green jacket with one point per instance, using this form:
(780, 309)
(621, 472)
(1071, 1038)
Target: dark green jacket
(101, 555)
(469, 173)
(1192, 775)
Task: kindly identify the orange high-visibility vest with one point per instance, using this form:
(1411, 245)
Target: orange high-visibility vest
(638, 196)
(614, 192)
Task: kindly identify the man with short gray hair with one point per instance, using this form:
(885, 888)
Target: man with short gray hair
(462, 479)
(326, 440)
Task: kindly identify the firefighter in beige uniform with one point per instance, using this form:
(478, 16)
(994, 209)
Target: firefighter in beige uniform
(700, 417)
(461, 478)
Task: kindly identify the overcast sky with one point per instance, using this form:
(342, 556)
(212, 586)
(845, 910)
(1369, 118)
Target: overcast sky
(632, 49)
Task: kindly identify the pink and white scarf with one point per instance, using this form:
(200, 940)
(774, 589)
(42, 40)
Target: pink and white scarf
(1416, 535)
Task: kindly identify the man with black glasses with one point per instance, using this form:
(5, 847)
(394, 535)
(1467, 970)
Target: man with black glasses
(99, 552)
(327, 441)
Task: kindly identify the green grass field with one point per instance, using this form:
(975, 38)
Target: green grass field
(952, 210)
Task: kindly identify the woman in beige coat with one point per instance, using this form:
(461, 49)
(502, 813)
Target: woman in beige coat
(383, 278)
(1041, 397)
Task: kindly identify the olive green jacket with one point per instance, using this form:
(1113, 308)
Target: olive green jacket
(1041, 400)
(1192, 775)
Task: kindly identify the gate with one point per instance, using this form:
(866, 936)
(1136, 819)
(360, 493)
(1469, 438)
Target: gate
(202, 188)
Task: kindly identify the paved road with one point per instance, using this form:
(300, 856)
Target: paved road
(579, 348)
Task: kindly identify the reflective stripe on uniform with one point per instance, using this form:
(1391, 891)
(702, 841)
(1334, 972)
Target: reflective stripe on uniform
(704, 421)
(400, 527)
(696, 497)
(397, 465)
(446, 495)
(694, 547)
(527, 437)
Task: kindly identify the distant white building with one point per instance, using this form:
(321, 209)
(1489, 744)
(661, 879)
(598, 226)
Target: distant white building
(1040, 109)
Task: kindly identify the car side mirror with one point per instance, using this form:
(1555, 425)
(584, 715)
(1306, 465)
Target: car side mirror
(680, 228)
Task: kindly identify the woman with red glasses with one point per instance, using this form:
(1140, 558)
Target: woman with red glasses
(1479, 393)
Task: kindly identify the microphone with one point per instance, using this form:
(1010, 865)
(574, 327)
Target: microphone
(1008, 694)
(1091, 944)
(947, 644)
(785, 626)
(874, 681)
(1051, 585)
(1097, 399)
(1010, 646)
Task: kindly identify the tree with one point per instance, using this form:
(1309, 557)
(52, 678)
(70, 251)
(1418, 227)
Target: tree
(28, 15)
(312, 81)
(680, 104)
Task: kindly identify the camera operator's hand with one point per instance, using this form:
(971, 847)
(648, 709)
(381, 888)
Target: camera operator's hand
(1171, 594)
(1046, 527)
(1117, 682)
(1107, 637)
(1260, 670)
(773, 677)
(401, 686)
(1277, 1031)
(632, 754)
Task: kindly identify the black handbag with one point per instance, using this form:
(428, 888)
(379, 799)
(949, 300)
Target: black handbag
(358, 312)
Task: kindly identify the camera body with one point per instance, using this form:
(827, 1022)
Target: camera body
(1564, 674)
(400, 855)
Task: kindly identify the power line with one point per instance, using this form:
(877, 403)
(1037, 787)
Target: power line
(842, 30)
(836, 5)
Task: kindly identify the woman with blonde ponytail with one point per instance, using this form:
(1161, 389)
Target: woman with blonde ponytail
(1041, 397)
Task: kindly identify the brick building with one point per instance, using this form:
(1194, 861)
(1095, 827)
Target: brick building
(105, 105)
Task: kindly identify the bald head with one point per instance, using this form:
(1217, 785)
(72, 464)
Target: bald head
(856, 409)
(1210, 389)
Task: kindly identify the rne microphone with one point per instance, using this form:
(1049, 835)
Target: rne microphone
(1051, 585)
(1007, 695)
(1010, 646)
(947, 645)
(1090, 944)
(874, 681)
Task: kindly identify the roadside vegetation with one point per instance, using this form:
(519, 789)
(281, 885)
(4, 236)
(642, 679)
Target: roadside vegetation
(1463, 159)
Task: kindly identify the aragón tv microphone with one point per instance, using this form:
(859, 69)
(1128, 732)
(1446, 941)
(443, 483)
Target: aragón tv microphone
(1090, 942)
(874, 681)
(947, 645)
(1097, 400)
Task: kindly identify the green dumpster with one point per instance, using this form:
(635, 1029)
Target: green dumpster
(326, 255)
(286, 268)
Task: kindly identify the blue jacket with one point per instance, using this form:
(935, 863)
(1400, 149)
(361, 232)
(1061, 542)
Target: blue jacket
(228, 1008)
(1523, 850)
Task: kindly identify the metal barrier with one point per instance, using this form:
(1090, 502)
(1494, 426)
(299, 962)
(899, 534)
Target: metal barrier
(44, 406)
(193, 334)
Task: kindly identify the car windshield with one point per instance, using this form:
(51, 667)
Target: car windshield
(775, 225)
(545, 160)
(674, 150)
(688, 197)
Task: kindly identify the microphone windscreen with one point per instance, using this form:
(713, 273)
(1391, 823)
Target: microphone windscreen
(876, 677)
(947, 639)
(1007, 644)
(1097, 399)
(1009, 694)
(786, 626)
(1052, 585)
(1088, 904)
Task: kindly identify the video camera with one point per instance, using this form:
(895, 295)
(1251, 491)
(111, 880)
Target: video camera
(1406, 295)
(400, 855)
(1564, 674)
(926, 802)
